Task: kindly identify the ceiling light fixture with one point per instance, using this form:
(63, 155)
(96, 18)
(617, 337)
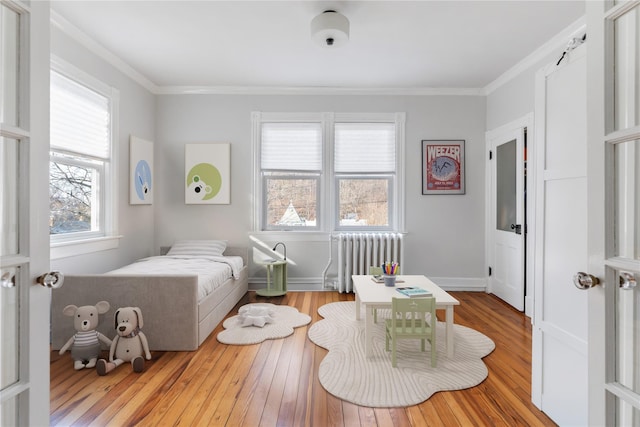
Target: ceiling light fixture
(330, 29)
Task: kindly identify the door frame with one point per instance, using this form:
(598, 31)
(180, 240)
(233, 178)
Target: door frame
(524, 122)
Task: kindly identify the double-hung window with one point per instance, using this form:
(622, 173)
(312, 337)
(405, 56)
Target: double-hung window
(291, 170)
(81, 188)
(330, 171)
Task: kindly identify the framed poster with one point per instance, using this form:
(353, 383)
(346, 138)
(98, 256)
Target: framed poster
(141, 171)
(443, 167)
(207, 174)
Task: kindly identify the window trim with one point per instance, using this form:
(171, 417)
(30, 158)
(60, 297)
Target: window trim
(327, 218)
(74, 244)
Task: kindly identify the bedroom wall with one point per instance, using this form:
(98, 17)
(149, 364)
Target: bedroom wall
(445, 234)
(137, 117)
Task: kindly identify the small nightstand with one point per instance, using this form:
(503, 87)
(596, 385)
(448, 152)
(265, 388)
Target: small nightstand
(276, 279)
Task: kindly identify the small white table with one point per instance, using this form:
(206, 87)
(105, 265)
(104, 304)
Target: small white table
(374, 295)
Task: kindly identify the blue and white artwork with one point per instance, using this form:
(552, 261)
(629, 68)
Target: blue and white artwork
(141, 166)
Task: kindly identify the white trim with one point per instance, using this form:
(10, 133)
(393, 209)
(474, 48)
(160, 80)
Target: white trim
(75, 33)
(527, 122)
(327, 207)
(108, 196)
(310, 90)
(557, 43)
(83, 247)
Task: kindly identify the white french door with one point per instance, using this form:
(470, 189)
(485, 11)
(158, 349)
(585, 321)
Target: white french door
(24, 237)
(614, 212)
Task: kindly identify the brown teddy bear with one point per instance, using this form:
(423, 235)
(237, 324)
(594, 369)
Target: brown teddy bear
(129, 345)
(85, 343)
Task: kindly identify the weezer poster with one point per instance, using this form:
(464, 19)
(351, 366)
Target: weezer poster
(443, 167)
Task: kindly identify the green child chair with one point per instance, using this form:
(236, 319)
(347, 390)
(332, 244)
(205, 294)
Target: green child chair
(408, 322)
(375, 271)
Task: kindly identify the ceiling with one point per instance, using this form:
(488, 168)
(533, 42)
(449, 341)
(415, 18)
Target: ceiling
(267, 44)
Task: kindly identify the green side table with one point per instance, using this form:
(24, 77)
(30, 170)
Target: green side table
(276, 279)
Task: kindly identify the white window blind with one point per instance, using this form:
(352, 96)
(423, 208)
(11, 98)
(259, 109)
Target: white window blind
(291, 146)
(80, 118)
(365, 147)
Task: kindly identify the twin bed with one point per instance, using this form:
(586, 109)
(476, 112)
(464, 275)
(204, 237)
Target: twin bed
(183, 295)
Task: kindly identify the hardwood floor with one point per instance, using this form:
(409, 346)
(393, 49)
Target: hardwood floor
(275, 383)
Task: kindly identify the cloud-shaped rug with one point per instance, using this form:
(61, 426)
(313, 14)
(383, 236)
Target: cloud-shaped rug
(285, 318)
(348, 374)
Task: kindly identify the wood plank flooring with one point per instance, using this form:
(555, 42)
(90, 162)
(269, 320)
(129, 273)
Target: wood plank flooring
(276, 384)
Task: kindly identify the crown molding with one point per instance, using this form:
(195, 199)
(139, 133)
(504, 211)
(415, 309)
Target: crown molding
(557, 43)
(310, 90)
(81, 37)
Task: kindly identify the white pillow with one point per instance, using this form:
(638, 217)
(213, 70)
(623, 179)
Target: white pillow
(198, 247)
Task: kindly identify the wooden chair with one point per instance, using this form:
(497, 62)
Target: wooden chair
(408, 321)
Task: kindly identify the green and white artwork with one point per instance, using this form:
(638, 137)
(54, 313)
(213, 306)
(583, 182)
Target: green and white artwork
(207, 170)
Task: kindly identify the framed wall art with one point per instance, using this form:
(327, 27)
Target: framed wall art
(141, 171)
(207, 174)
(443, 167)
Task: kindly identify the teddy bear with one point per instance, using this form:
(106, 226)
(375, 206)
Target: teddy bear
(129, 344)
(85, 343)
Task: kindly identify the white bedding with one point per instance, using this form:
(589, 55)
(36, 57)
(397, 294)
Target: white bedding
(212, 271)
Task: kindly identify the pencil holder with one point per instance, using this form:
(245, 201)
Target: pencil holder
(390, 280)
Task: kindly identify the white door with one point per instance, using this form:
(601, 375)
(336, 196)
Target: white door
(24, 237)
(614, 212)
(559, 368)
(507, 219)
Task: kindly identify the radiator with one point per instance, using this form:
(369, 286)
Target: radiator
(358, 251)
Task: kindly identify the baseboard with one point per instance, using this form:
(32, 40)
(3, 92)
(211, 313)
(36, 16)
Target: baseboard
(316, 284)
(470, 284)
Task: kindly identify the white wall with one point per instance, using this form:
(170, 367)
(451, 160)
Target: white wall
(137, 117)
(445, 233)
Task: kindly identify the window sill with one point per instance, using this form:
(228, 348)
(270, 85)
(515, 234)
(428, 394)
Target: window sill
(300, 236)
(82, 247)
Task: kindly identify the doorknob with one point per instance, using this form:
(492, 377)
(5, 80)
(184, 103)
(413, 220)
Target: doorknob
(585, 281)
(53, 279)
(517, 228)
(8, 279)
(627, 281)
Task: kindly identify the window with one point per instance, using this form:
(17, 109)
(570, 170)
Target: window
(81, 191)
(328, 172)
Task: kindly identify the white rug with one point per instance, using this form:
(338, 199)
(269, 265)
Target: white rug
(346, 373)
(285, 319)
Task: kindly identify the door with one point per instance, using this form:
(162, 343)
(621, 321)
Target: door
(614, 212)
(24, 239)
(559, 354)
(507, 207)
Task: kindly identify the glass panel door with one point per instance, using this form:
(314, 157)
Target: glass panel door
(14, 190)
(623, 242)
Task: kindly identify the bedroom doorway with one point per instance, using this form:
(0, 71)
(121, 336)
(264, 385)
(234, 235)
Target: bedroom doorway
(507, 223)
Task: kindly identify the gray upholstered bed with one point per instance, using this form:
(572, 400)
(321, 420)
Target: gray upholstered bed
(175, 318)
